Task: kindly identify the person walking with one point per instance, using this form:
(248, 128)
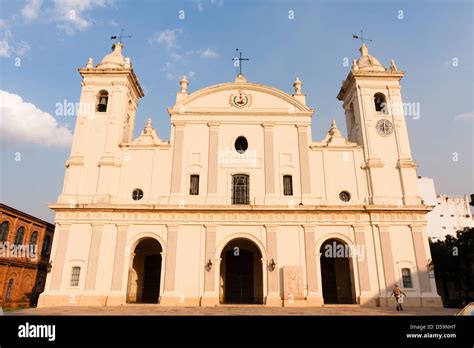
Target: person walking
(399, 294)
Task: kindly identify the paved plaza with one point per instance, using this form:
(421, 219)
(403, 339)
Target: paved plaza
(249, 310)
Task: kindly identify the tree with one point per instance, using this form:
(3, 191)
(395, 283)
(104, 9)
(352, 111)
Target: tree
(453, 261)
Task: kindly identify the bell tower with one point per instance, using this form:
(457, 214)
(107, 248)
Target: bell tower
(375, 119)
(105, 120)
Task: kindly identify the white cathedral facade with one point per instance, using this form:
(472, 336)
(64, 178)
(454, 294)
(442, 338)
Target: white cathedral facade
(240, 205)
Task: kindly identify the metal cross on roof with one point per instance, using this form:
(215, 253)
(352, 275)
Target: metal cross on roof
(238, 60)
(120, 37)
(361, 37)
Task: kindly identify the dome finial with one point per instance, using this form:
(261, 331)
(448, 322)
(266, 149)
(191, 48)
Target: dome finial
(115, 59)
(364, 50)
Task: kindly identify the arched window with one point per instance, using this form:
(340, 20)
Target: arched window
(4, 231)
(46, 243)
(20, 233)
(8, 295)
(75, 275)
(102, 101)
(380, 103)
(240, 189)
(406, 278)
(34, 238)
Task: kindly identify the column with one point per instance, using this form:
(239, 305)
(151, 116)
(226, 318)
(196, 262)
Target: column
(387, 258)
(273, 297)
(93, 259)
(62, 233)
(363, 267)
(269, 158)
(177, 157)
(212, 157)
(169, 297)
(420, 256)
(314, 296)
(119, 258)
(303, 148)
(211, 295)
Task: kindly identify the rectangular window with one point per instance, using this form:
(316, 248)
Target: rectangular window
(194, 185)
(75, 274)
(441, 215)
(406, 278)
(240, 189)
(287, 185)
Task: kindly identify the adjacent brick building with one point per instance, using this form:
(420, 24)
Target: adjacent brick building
(25, 246)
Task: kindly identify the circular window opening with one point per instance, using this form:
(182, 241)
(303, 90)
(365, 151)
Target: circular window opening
(137, 194)
(345, 196)
(241, 145)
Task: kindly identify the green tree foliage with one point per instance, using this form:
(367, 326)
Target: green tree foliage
(453, 261)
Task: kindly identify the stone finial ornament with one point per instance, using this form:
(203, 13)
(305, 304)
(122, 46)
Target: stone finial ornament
(393, 66)
(148, 127)
(90, 63)
(184, 84)
(297, 85)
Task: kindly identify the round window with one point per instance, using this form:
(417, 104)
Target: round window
(345, 196)
(241, 145)
(137, 194)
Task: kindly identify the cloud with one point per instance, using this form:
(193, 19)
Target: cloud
(22, 48)
(465, 116)
(32, 9)
(200, 7)
(7, 49)
(200, 4)
(168, 37)
(208, 53)
(6, 35)
(23, 122)
(219, 3)
(72, 14)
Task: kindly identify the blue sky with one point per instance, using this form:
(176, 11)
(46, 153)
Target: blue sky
(42, 43)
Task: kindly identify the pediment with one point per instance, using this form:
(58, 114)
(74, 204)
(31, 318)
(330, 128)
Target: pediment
(239, 98)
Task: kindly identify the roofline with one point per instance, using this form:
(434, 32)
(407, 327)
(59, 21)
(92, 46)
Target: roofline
(256, 86)
(18, 212)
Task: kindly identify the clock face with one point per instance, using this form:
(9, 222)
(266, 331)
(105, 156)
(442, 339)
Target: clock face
(239, 100)
(384, 127)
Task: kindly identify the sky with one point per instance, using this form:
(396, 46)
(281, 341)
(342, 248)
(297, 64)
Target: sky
(42, 43)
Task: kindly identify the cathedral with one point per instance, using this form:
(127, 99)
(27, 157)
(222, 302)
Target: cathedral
(240, 206)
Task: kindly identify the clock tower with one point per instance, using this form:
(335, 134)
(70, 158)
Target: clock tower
(375, 120)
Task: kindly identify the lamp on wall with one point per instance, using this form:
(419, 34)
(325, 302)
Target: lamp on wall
(49, 266)
(208, 265)
(271, 265)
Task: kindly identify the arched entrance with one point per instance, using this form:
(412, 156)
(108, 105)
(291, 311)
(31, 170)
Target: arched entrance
(336, 272)
(145, 274)
(241, 278)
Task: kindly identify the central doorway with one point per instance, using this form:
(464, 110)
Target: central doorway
(336, 272)
(241, 279)
(145, 273)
